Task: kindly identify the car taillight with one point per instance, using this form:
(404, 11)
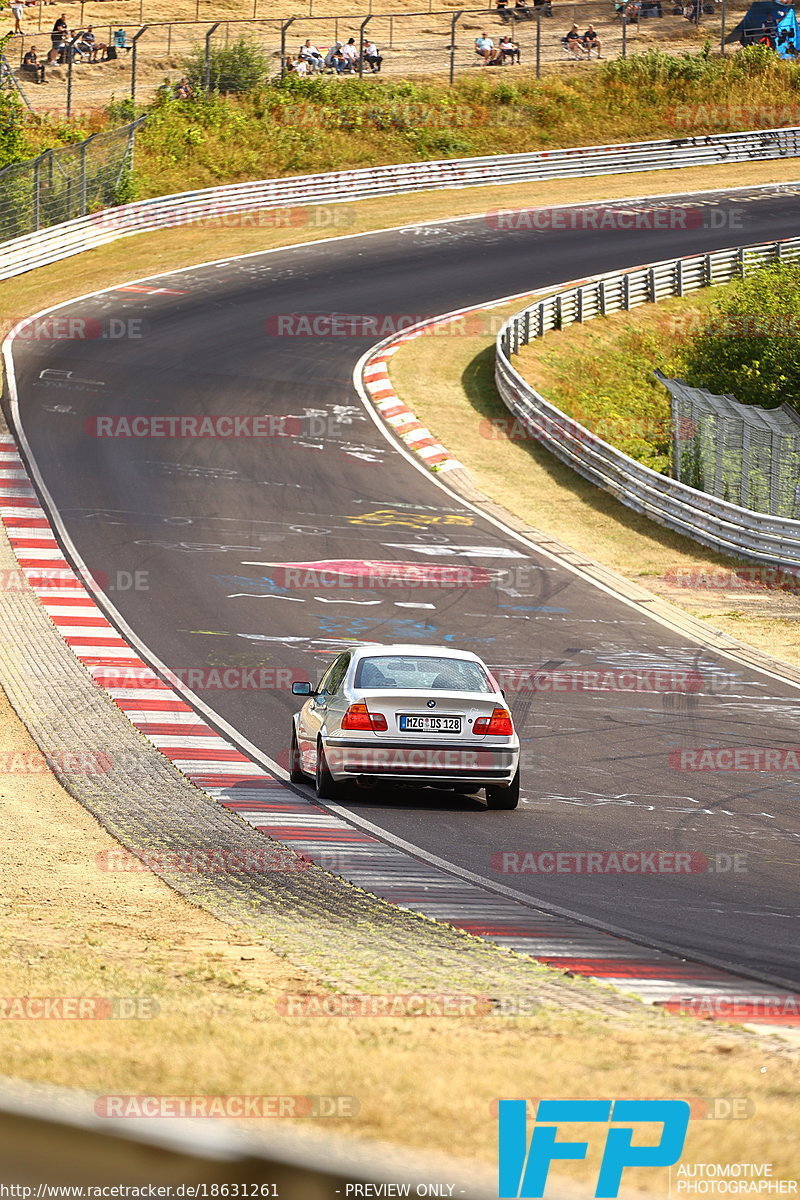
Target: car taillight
(358, 716)
(499, 723)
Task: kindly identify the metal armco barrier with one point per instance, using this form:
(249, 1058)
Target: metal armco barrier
(219, 204)
(715, 523)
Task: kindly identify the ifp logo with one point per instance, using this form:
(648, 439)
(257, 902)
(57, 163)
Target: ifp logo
(524, 1168)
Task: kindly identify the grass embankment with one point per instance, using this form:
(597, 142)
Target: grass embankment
(327, 124)
(70, 929)
(461, 406)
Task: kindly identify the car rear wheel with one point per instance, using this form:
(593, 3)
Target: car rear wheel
(296, 774)
(504, 797)
(326, 786)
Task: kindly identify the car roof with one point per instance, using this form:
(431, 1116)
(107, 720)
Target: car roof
(375, 649)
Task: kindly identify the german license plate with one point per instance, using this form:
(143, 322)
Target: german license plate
(422, 723)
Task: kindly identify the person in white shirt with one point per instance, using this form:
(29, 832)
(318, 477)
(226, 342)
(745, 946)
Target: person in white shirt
(350, 51)
(311, 55)
(372, 57)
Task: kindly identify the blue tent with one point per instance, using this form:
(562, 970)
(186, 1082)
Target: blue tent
(773, 25)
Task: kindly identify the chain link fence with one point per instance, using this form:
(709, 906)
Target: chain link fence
(65, 183)
(430, 42)
(741, 453)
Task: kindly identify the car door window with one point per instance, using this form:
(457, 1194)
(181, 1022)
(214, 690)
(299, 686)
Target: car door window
(332, 679)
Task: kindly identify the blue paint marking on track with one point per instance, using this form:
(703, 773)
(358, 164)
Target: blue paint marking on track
(533, 608)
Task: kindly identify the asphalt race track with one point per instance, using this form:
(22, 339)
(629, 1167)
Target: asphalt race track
(210, 525)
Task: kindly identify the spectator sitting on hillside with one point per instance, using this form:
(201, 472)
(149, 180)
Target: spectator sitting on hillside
(94, 47)
(298, 68)
(334, 58)
(31, 64)
(183, 89)
(310, 54)
(591, 41)
(573, 43)
(523, 9)
(372, 58)
(484, 47)
(508, 49)
(82, 45)
(350, 51)
(501, 5)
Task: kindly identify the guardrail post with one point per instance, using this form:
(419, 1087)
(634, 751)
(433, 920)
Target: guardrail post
(740, 262)
(453, 22)
(679, 277)
(207, 70)
(652, 287)
(579, 305)
(601, 297)
(626, 291)
(708, 269)
(559, 310)
(539, 45)
(527, 326)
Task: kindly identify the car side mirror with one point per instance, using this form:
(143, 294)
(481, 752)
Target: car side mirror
(302, 689)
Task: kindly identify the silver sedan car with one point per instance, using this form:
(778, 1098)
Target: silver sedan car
(411, 715)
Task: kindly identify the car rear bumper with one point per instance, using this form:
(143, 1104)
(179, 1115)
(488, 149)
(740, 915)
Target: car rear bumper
(419, 762)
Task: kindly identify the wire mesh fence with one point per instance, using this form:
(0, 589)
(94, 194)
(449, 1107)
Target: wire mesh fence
(436, 42)
(65, 183)
(741, 453)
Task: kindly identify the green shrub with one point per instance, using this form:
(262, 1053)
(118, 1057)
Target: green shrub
(241, 66)
(751, 346)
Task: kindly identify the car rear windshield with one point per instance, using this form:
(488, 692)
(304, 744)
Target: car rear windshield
(428, 673)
